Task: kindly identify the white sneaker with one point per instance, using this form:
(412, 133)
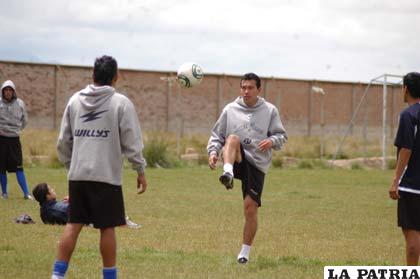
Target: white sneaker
(131, 224)
(28, 197)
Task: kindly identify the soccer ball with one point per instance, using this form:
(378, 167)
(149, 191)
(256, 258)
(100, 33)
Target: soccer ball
(189, 74)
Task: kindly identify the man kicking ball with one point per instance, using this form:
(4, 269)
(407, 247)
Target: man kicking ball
(245, 134)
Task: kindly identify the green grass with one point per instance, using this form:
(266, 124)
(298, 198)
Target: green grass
(161, 149)
(192, 226)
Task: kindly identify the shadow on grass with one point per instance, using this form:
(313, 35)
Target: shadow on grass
(303, 195)
(7, 248)
(263, 263)
(272, 263)
(178, 256)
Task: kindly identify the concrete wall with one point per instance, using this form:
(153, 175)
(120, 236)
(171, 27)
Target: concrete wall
(164, 106)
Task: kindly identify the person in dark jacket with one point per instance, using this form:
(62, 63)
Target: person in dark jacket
(52, 211)
(56, 212)
(405, 186)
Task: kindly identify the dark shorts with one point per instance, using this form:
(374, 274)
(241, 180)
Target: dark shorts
(10, 154)
(97, 203)
(409, 211)
(251, 177)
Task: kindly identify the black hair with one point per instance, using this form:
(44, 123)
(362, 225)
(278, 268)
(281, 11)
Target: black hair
(412, 81)
(14, 92)
(252, 76)
(105, 70)
(40, 192)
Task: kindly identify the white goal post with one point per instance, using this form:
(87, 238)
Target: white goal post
(385, 80)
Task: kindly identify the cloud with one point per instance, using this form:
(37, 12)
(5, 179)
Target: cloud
(339, 40)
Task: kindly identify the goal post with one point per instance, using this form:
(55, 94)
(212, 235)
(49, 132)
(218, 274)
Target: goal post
(385, 80)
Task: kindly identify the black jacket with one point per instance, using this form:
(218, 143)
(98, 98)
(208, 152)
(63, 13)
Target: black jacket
(53, 212)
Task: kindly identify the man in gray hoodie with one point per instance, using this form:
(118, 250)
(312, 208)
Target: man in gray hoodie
(98, 128)
(245, 134)
(13, 118)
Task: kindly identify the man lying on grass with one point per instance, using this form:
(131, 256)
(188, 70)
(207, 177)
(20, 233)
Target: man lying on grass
(52, 211)
(56, 212)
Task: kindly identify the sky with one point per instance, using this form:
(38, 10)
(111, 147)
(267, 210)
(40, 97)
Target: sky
(342, 40)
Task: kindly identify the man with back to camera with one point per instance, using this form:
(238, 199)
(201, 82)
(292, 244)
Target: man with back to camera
(406, 184)
(98, 128)
(13, 119)
(245, 134)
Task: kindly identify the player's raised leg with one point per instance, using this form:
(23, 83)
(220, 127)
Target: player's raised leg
(231, 154)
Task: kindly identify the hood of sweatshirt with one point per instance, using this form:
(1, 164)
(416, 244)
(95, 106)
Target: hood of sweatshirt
(9, 83)
(240, 101)
(94, 96)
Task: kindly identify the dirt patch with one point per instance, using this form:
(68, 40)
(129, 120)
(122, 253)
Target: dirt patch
(369, 163)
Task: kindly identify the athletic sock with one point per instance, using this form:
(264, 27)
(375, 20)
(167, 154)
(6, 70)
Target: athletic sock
(110, 272)
(60, 269)
(244, 251)
(3, 182)
(20, 175)
(228, 168)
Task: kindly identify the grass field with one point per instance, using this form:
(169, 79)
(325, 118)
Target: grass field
(192, 227)
(163, 148)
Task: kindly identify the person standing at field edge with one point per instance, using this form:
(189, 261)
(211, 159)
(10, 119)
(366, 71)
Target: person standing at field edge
(405, 186)
(245, 134)
(13, 119)
(98, 128)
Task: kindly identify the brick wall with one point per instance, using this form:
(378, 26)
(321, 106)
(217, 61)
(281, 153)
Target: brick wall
(163, 106)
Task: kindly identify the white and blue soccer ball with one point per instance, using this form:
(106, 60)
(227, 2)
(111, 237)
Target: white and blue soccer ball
(189, 74)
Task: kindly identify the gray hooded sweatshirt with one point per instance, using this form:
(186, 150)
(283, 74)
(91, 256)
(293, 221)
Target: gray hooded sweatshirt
(98, 128)
(13, 116)
(252, 125)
